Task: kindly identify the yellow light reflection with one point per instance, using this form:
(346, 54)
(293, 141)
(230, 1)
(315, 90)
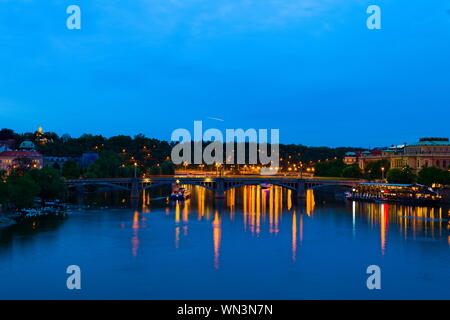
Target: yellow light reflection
(384, 226)
(258, 210)
(177, 212)
(177, 237)
(186, 211)
(217, 238)
(413, 222)
(244, 210)
(310, 202)
(294, 236)
(135, 238)
(201, 198)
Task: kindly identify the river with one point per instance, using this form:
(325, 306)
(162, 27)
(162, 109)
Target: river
(254, 244)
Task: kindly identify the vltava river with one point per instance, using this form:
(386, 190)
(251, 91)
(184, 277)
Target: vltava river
(255, 244)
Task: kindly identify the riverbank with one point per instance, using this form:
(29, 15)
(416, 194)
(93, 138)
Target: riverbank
(6, 221)
(10, 218)
(445, 193)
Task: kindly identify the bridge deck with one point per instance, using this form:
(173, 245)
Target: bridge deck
(213, 178)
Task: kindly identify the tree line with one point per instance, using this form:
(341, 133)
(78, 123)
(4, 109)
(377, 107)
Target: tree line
(146, 151)
(377, 169)
(21, 189)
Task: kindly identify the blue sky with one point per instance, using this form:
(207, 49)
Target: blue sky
(310, 68)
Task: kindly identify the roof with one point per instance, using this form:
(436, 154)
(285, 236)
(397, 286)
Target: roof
(16, 154)
(27, 145)
(350, 154)
(431, 142)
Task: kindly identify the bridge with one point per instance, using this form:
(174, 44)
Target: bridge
(218, 184)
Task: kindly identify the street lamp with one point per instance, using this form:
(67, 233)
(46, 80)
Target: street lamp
(218, 165)
(135, 170)
(382, 173)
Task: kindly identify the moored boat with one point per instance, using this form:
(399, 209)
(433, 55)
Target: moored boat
(265, 185)
(404, 193)
(180, 194)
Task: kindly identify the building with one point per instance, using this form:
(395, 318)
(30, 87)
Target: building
(427, 152)
(351, 158)
(27, 146)
(9, 158)
(6, 145)
(56, 162)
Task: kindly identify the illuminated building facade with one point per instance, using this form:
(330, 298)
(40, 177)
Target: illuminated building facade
(26, 151)
(427, 152)
(351, 158)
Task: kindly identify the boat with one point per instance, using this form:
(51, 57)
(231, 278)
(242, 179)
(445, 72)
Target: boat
(39, 212)
(403, 193)
(180, 194)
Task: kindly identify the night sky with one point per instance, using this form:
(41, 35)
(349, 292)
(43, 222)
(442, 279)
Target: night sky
(310, 68)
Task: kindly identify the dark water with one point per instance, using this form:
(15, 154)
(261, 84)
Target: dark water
(255, 244)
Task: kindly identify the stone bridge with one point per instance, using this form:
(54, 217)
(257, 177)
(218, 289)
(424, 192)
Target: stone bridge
(218, 184)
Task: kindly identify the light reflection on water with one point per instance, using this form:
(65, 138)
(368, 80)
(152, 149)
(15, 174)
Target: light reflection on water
(267, 206)
(251, 229)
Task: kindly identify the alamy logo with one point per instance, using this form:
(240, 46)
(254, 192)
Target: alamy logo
(74, 20)
(374, 281)
(256, 141)
(74, 280)
(374, 20)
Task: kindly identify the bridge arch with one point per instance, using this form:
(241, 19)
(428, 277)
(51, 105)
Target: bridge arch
(101, 184)
(257, 184)
(192, 183)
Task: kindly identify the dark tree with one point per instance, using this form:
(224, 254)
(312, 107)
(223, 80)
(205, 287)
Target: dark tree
(22, 190)
(167, 168)
(333, 168)
(107, 166)
(71, 170)
(352, 171)
(431, 175)
(373, 170)
(155, 170)
(404, 176)
(6, 134)
(50, 183)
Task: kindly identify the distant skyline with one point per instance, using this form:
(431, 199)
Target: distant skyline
(309, 68)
